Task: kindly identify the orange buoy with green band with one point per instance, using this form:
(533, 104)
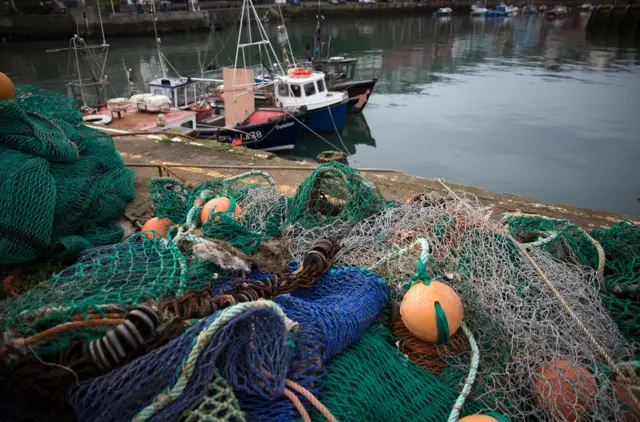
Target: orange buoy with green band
(431, 310)
(220, 204)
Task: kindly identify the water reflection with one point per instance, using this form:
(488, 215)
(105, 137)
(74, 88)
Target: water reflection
(519, 105)
(356, 132)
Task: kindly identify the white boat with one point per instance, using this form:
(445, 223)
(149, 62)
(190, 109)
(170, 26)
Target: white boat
(326, 110)
(478, 10)
(444, 11)
(512, 10)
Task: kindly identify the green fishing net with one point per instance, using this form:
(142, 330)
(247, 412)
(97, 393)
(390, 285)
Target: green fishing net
(263, 208)
(372, 381)
(335, 191)
(562, 239)
(621, 244)
(218, 404)
(105, 280)
(64, 185)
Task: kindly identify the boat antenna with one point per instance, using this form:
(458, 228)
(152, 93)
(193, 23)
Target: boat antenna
(104, 41)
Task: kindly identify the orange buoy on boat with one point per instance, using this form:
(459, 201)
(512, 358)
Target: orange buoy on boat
(220, 204)
(298, 71)
(7, 89)
(478, 418)
(565, 390)
(432, 312)
(161, 227)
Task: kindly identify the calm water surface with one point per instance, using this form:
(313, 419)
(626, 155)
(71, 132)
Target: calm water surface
(514, 105)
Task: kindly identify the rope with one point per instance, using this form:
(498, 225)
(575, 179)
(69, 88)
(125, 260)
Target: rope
(59, 329)
(312, 399)
(170, 394)
(473, 371)
(629, 378)
(346, 151)
(298, 405)
(316, 133)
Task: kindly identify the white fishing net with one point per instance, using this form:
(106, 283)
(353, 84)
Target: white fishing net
(262, 206)
(517, 320)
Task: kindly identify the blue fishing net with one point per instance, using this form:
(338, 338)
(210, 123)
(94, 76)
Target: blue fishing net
(251, 352)
(331, 316)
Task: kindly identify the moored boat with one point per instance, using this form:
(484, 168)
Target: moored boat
(443, 11)
(558, 12)
(340, 76)
(478, 10)
(325, 110)
(340, 72)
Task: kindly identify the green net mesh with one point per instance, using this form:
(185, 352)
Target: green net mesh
(560, 238)
(219, 404)
(64, 185)
(621, 243)
(333, 192)
(372, 381)
(108, 279)
(263, 208)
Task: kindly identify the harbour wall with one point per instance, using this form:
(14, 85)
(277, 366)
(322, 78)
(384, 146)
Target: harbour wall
(126, 21)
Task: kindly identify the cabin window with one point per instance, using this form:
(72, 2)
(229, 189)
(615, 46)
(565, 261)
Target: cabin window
(309, 89)
(283, 90)
(181, 96)
(295, 90)
(320, 85)
(351, 71)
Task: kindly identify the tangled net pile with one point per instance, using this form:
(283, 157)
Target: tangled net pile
(289, 309)
(64, 186)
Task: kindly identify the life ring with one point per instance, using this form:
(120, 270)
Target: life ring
(298, 71)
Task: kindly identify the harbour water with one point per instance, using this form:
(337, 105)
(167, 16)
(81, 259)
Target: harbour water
(518, 105)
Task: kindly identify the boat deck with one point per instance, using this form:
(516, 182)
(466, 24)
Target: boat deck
(135, 120)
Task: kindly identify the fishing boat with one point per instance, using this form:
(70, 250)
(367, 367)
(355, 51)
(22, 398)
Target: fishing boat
(498, 11)
(264, 129)
(558, 12)
(443, 11)
(325, 110)
(267, 129)
(292, 89)
(478, 10)
(512, 10)
(340, 72)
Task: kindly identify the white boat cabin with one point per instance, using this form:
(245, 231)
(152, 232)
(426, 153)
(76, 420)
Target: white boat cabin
(303, 87)
(181, 91)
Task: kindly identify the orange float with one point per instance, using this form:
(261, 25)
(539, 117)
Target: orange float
(478, 418)
(424, 307)
(7, 89)
(161, 227)
(630, 412)
(565, 389)
(220, 204)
